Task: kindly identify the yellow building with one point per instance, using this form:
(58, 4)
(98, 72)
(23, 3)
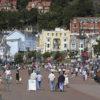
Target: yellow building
(55, 40)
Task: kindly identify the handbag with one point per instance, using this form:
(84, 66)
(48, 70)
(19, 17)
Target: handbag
(20, 79)
(10, 77)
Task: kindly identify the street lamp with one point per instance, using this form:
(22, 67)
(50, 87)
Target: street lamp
(82, 44)
(45, 47)
(93, 43)
(36, 46)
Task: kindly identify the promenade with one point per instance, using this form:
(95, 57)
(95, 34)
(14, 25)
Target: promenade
(78, 90)
(89, 87)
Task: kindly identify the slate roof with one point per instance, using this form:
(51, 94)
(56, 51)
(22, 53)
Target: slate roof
(89, 19)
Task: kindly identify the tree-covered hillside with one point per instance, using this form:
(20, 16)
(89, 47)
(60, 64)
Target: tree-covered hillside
(59, 15)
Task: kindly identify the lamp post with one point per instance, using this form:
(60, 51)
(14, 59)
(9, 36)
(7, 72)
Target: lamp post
(82, 44)
(45, 47)
(37, 40)
(93, 43)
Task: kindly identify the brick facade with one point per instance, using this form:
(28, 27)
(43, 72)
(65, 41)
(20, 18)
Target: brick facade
(85, 24)
(42, 5)
(84, 32)
(8, 5)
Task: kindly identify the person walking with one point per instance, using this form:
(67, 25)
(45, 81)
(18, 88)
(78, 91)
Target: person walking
(66, 82)
(84, 74)
(0, 79)
(8, 77)
(76, 71)
(8, 74)
(61, 80)
(51, 78)
(29, 70)
(39, 80)
(18, 78)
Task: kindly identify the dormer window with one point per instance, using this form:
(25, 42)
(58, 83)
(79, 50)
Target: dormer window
(64, 34)
(48, 34)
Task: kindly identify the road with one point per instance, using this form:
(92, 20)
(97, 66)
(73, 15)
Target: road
(20, 92)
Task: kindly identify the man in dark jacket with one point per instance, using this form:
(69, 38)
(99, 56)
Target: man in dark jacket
(61, 80)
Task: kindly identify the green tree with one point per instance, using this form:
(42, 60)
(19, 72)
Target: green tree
(21, 4)
(59, 57)
(96, 7)
(33, 19)
(14, 20)
(61, 11)
(46, 55)
(19, 58)
(64, 10)
(61, 3)
(10, 20)
(2, 21)
(47, 21)
(24, 17)
(83, 8)
(55, 17)
(97, 48)
(58, 11)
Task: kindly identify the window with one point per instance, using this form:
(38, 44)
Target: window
(64, 40)
(65, 45)
(56, 34)
(29, 28)
(75, 25)
(65, 50)
(64, 34)
(81, 45)
(52, 34)
(48, 39)
(56, 43)
(73, 45)
(48, 45)
(48, 34)
(60, 34)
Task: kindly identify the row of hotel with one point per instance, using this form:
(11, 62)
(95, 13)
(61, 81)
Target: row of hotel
(11, 5)
(83, 33)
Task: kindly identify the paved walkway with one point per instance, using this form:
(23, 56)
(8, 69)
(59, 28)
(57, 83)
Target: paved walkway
(89, 87)
(20, 92)
(93, 90)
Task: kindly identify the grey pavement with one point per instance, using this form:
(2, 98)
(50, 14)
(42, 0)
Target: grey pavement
(20, 92)
(89, 87)
(93, 90)
(0, 97)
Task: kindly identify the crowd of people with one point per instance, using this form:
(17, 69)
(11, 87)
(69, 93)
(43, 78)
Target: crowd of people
(58, 75)
(55, 85)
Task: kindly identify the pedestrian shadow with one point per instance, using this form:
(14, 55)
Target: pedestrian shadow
(1, 97)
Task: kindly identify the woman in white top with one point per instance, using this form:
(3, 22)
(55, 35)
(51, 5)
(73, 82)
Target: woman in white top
(39, 80)
(84, 73)
(8, 74)
(66, 78)
(8, 77)
(51, 78)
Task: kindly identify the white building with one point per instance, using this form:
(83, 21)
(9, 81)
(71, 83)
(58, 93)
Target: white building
(54, 40)
(20, 42)
(4, 51)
